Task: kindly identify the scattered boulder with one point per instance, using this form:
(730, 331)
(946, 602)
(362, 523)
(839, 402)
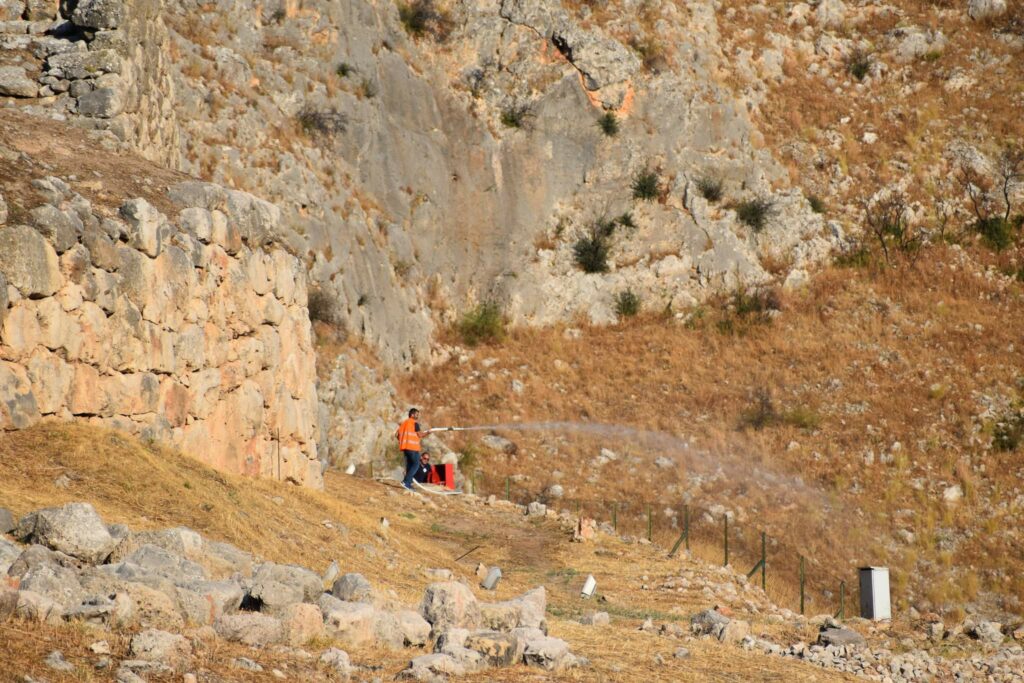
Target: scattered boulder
(169, 649)
(337, 660)
(840, 636)
(734, 632)
(551, 654)
(55, 660)
(450, 605)
(14, 82)
(165, 564)
(432, 667)
(115, 610)
(528, 610)
(353, 588)
(536, 509)
(303, 623)
(291, 575)
(352, 623)
(985, 9)
(595, 619)
(250, 629)
(414, 628)
(586, 530)
(988, 632)
(272, 597)
(496, 649)
(58, 583)
(708, 622)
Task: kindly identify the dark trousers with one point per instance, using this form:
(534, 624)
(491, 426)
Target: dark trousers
(412, 463)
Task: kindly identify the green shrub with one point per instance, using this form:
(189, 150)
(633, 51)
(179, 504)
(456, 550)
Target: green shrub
(609, 124)
(485, 323)
(322, 122)
(605, 227)
(996, 232)
(761, 413)
(710, 188)
(515, 115)
(801, 417)
(344, 70)
(591, 253)
(626, 221)
(755, 212)
(858, 64)
(817, 203)
(646, 185)
(321, 307)
(368, 89)
(627, 303)
(1008, 433)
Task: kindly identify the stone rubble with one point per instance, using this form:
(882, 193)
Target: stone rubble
(154, 582)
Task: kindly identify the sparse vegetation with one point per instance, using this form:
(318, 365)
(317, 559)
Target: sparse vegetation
(652, 55)
(858, 63)
(762, 413)
(1008, 433)
(626, 221)
(516, 115)
(991, 196)
(322, 123)
(755, 212)
(609, 124)
(591, 253)
(710, 188)
(367, 89)
(344, 70)
(646, 185)
(888, 220)
(817, 203)
(422, 17)
(483, 324)
(322, 307)
(627, 303)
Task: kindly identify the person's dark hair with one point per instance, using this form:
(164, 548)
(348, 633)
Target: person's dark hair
(413, 411)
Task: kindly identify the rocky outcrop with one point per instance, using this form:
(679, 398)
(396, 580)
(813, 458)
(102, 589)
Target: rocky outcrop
(190, 329)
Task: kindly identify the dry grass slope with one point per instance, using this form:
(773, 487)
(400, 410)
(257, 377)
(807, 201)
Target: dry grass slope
(149, 487)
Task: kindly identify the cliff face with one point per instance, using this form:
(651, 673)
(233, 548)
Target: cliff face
(187, 325)
(419, 172)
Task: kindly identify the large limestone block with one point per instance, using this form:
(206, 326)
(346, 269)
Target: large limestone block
(18, 407)
(450, 605)
(79, 65)
(99, 14)
(41, 10)
(74, 529)
(986, 9)
(169, 649)
(14, 82)
(103, 103)
(303, 623)
(59, 330)
(11, 10)
(29, 262)
(51, 380)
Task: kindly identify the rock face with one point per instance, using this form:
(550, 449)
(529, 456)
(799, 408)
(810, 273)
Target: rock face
(189, 329)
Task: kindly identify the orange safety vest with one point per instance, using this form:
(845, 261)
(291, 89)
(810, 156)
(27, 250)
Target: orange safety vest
(408, 439)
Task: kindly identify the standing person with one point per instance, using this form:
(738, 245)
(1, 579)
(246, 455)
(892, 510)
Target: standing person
(409, 435)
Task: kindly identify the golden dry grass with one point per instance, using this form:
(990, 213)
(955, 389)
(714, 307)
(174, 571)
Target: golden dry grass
(851, 365)
(150, 487)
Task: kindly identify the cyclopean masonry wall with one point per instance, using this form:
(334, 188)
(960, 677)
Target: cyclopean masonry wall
(191, 329)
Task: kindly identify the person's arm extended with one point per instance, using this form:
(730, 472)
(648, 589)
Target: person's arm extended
(422, 433)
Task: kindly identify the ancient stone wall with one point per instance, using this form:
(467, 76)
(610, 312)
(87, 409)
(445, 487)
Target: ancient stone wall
(190, 329)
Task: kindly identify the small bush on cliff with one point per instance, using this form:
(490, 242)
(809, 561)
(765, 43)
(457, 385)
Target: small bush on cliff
(483, 324)
(755, 212)
(646, 185)
(710, 188)
(324, 123)
(1008, 433)
(591, 253)
(858, 64)
(627, 303)
(422, 17)
(609, 124)
(516, 115)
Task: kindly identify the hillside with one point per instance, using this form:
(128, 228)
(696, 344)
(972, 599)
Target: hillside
(853, 421)
(149, 488)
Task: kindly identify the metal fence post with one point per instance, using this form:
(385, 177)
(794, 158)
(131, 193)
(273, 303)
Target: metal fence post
(841, 614)
(726, 562)
(802, 578)
(649, 523)
(508, 488)
(686, 526)
(615, 516)
(764, 564)
(371, 469)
